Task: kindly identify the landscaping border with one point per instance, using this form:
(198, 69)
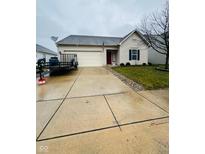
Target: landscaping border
(135, 86)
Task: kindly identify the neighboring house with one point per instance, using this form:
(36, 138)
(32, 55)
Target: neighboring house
(155, 57)
(43, 52)
(100, 50)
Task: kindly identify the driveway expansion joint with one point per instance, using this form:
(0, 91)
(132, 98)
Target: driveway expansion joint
(112, 112)
(152, 102)
(77, 133)
(99, 129)
(142, 121)
(47, 100)
(59, 106)
(83, 96)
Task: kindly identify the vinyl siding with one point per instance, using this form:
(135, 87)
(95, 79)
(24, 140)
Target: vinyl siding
(133, 42)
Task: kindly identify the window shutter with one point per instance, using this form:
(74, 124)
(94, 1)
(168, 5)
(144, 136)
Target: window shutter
(138, 55)
(129, 54)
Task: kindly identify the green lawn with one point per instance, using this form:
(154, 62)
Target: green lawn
(147, 76)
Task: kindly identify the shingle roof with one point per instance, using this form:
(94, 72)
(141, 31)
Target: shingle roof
(97, 40)
(40, 48)
(90, 40)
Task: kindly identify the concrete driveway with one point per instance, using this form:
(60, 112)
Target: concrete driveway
(92, 111)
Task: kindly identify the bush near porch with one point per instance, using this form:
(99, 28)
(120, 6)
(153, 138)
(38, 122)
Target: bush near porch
(147, 76)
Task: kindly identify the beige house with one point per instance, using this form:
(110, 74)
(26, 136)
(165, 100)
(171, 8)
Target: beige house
(100, 50)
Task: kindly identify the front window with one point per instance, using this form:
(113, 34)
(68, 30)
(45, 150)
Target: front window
(134, 54)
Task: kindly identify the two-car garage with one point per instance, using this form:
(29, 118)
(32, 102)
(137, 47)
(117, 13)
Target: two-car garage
(88, 58)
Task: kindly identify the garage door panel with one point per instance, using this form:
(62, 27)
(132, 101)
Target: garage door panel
(91, 58)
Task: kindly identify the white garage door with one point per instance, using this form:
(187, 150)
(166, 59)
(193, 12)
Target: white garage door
(91, 58)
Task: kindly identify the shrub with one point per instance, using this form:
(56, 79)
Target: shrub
(128, 64)
(144, 64)
(150, 64)
(122, 64)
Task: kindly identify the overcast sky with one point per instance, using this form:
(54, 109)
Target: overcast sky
(89, 17)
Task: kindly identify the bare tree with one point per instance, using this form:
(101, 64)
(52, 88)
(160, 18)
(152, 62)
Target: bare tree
(155, 28)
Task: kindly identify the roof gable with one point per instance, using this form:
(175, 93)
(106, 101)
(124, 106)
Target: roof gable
(131, 33)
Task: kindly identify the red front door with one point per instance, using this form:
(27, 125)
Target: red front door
(108, 57)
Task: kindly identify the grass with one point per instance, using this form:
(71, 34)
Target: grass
(147, 76)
